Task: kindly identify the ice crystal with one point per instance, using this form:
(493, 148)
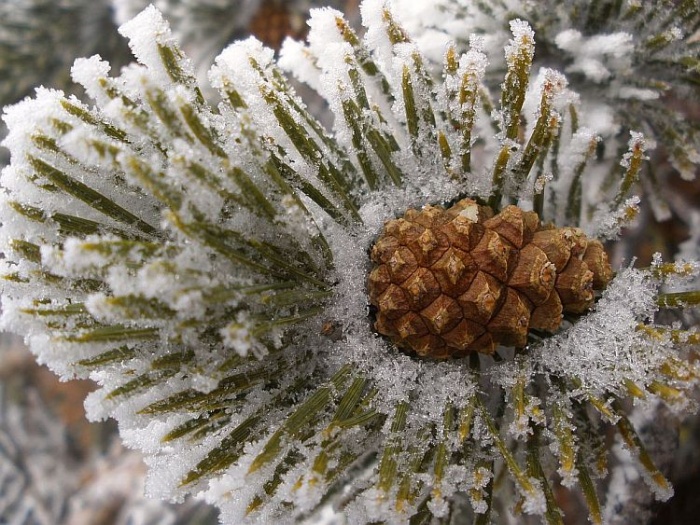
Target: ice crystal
(206, 265)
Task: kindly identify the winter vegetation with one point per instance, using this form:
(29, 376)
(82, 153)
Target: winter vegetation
(201, 248)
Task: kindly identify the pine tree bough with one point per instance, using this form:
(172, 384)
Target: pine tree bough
(206, 263)
(450, 282)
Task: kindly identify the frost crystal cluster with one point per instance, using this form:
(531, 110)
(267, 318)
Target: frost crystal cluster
(206, 263)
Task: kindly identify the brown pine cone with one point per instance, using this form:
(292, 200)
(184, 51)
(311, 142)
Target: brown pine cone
(446, 283)
(274, 21)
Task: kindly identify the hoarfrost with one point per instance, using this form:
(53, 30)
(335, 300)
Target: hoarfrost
(598, 56)
(148, 34)
(628, 499)
(604, 348)
(523, 41)
(693, 155)
(376, 37)
(474, 61)
(87, 72)
(607, 225)
(237, 335)
(627, 92)
(297, 59)
(600, 118)
(534, 501)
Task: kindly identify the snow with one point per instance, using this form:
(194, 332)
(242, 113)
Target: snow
(237, 335)
(146, 32)
(522, 43)
(87, 72)
(627, 92)
(604, 348)
(597, 56)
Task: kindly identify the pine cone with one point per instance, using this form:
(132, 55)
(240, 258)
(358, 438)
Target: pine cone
(446, 283)
(273, 22)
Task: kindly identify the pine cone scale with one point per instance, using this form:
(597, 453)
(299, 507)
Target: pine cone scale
(493, 254)
(534, 274)
(483, 298)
